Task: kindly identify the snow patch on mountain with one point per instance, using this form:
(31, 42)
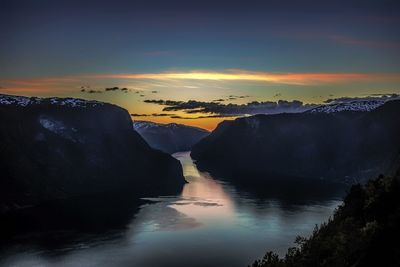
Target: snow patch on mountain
(59, 128)
(146, 125)
(354, 106)
(53, 125)
(143, 125)
(24, 101)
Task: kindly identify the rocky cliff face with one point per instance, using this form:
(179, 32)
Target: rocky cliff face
(344, 146)
(60, 148)
(171, 137)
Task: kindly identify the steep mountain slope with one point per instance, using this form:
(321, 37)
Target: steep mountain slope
(342, 146)
(171, 137)
(60, 148)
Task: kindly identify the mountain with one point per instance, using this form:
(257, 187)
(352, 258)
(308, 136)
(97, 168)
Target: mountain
(364, 231)
(355, 106)
(60, 148)
(344, 146)
(171, 137)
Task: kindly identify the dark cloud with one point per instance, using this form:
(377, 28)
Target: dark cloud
(153, 114)
(139, 115)
(216, 108)
(162, 114)
(86, 89)
(164, 102)
(238, 96)
(202, 117)
(230, 97)
(92, 91)
(116, 88)
(111, 89)
(174, 116)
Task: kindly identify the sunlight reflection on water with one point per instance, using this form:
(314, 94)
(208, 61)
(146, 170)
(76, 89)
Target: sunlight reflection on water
(209, 224)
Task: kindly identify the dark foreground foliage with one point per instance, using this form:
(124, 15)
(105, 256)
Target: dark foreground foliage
(364, 231)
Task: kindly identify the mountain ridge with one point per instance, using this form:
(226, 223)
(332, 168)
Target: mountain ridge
(55, 148)
(318, 144)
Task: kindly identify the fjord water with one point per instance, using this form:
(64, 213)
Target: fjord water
(209, 224)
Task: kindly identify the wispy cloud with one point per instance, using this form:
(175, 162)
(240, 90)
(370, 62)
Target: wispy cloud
(341, 39)
(41, 81)
(288, 78)
(182, 78)
(362, 42)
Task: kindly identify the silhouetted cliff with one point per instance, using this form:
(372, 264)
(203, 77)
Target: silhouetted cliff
(60, 148)
(346, 146)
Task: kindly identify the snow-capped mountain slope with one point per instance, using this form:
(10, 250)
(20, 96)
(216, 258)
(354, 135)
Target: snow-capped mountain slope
(170, 137)
(144, 125)
(355, 106)
(24, 101)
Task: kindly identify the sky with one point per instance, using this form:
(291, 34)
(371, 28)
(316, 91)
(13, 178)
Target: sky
(200, 62)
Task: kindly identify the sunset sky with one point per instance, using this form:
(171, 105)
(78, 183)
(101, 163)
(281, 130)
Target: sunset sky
(135, 53)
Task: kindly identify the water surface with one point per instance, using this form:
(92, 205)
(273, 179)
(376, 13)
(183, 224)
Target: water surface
(209, 224)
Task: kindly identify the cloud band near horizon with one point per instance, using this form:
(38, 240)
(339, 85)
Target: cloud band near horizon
(283, 78)
(288, 78)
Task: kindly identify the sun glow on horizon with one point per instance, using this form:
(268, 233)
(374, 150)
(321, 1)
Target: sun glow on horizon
(202, 85)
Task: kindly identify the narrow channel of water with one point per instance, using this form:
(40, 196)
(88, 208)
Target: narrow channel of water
(209, 224)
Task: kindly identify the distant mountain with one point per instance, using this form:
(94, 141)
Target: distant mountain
(171, 137)
(344, 146)
(58, 148)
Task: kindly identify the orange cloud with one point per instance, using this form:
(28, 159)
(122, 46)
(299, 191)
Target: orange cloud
(268, 77)
(37, 86)
(288, 78)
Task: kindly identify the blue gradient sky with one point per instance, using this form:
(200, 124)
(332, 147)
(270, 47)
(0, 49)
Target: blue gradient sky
(67, 39)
